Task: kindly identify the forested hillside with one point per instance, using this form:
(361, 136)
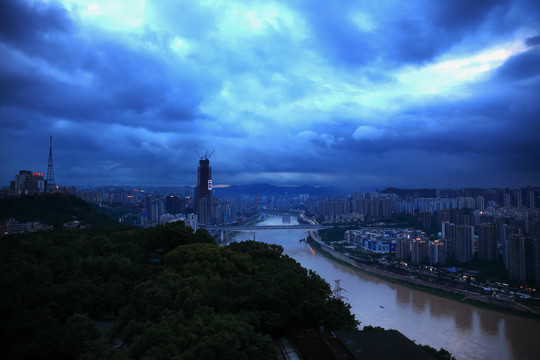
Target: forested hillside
(171, 293)
(52, 210)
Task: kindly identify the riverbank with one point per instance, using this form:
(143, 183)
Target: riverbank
(426, 286)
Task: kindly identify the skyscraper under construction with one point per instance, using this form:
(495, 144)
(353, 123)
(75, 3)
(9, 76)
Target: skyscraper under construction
(204, 201)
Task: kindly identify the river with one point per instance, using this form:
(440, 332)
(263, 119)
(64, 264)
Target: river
(468, 332)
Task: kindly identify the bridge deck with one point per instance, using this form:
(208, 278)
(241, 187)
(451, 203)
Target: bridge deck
(264, 227)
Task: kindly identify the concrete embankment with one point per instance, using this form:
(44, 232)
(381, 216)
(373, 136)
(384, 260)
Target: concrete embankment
(410, 279)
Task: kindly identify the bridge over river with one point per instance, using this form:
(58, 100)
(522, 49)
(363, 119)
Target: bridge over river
(222, 229)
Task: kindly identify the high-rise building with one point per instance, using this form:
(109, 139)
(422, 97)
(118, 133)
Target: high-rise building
(419, 251)
(403, 248)
(463, 242)
(27, 183)
(487, 237)
(504, 234)
(443, 216)
(458, 240)
(480, 203)
(517, 198)
(153, 210)
(204, 201)
(521, 258)
(437, 252)
(427, 221)
(157, 209)
(175, 204)
(506, 198)
(51, 184)
(447, 235)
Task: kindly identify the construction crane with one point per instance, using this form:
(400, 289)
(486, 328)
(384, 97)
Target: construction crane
(206, 155)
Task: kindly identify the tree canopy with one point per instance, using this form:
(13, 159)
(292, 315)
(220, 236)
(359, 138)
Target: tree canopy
(169, 292)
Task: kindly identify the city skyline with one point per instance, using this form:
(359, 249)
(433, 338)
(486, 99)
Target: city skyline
(357, 94)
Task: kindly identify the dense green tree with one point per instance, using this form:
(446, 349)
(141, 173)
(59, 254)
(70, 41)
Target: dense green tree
(77, 334)
(202, 301)
(441, 354)
(100, 349)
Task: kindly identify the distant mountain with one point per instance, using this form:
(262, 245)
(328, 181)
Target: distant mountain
(274, 190)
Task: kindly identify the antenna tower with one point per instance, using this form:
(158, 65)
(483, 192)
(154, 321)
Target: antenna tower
(51, 185)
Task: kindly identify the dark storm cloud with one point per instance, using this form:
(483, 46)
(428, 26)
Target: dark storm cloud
(22, 21)
(533, 41)
(414, 32)
(465, 15)
(489, 124)
(33, 91)
(488, 138)
(521, 67)
(435, 27)
(498, 146)
(40, 30)
(120, 80)
(341, 39)
(295, 92)
(54, 80)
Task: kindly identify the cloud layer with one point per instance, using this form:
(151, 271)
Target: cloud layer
(357, 93)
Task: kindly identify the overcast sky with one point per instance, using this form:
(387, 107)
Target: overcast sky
(356, 93)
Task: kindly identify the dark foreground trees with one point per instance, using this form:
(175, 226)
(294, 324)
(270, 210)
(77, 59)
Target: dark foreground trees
(169, 293)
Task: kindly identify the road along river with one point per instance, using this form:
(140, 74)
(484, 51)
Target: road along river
(468, 332)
